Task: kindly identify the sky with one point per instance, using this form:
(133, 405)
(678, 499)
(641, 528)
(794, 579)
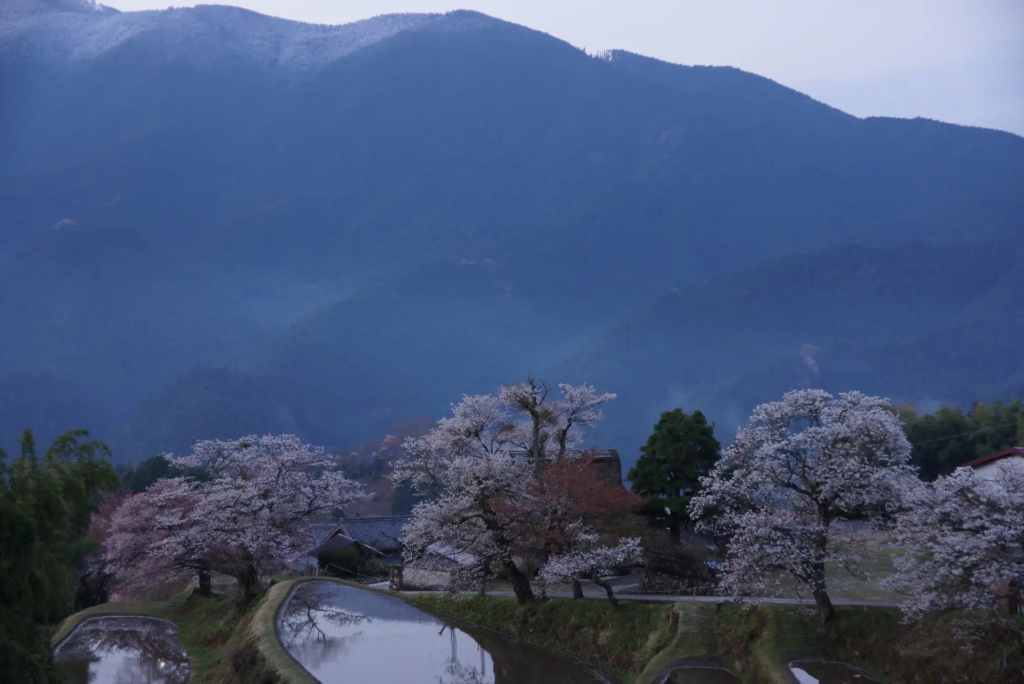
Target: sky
(960, 61)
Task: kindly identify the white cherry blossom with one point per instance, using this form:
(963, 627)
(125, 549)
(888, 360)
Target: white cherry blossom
(801, 466)
(480, 468)
(964, 541)
(589, 559)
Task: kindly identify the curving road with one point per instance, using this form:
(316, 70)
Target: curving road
(624, 585)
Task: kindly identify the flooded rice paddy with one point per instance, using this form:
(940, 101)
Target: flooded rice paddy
(124, 650)
(702, 675)
(823, 672)
(343, 635)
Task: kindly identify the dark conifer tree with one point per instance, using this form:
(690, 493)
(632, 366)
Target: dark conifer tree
(681, 449)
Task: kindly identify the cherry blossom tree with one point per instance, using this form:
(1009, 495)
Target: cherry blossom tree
(469, 460)
(571, 490)
(256, 505)
(246, 517)
(95, 580)
(552, 426)
(801, 466)
(482, 465)
(151, 544)
(589, 559)
(964, 541)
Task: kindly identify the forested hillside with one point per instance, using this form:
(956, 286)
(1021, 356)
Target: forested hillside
(917, 323)
(209, 212)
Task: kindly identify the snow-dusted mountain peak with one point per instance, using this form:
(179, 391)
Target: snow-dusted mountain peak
(57, 32)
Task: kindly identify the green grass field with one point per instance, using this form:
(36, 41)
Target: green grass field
(878, 565)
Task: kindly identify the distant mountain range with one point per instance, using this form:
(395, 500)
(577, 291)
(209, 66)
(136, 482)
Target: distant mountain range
(213, 221)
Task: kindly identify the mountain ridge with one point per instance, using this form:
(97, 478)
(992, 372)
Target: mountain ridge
(518, 195)
(60, 31)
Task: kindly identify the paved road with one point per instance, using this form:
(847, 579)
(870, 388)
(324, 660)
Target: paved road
(623, 587)
(622, 593)
(705, 599)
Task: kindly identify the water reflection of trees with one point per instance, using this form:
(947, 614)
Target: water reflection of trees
(316, 627)
(307, 623)
(149, 649)
(515, 662)
(456, 671)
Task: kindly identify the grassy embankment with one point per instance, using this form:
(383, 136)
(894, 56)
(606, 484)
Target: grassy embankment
(759, 640)
(229, 644)
(755, 642)
(621, 642)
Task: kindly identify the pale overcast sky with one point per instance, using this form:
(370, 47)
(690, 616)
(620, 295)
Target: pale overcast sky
(956, 60)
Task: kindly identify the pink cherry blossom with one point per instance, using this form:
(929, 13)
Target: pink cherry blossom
(246, 516)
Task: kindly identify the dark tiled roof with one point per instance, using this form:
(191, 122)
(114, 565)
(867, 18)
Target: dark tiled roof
(321, 530)
(599, 454)
(383, 533)
(1015, 451)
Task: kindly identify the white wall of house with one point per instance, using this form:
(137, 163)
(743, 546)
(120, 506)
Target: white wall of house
(419, 578)
(1005, 467)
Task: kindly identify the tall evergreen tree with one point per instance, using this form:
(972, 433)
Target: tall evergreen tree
(948, 438)
(681, 449)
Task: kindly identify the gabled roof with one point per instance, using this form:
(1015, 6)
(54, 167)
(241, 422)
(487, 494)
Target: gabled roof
(383, 533)
(1014, 451)
(320, 531)
(328, 536)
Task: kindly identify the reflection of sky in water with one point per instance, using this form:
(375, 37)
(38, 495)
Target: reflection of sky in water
(702, 675)
(815, 672)
(343, 635)
(124, 650)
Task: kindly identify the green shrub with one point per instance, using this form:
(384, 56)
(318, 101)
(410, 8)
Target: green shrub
(345, 562)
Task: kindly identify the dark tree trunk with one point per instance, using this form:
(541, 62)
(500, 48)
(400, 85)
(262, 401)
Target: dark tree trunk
(826, 611)
(205, 583)
(608, 590)
(520, 582)
(485, 571)
(673, 533)
(248, 581)
(825, 608)
(577, 589)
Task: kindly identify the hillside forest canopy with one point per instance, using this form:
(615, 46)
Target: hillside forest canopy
(232, 239)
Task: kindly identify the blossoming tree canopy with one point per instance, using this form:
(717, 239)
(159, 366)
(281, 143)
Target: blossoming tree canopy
(150, 543)
(964, 541)
(588, 559)
(481, 465)
(802, 465)
(249, 514)
(552, 425)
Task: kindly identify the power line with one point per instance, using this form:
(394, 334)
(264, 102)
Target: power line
(973, 432)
